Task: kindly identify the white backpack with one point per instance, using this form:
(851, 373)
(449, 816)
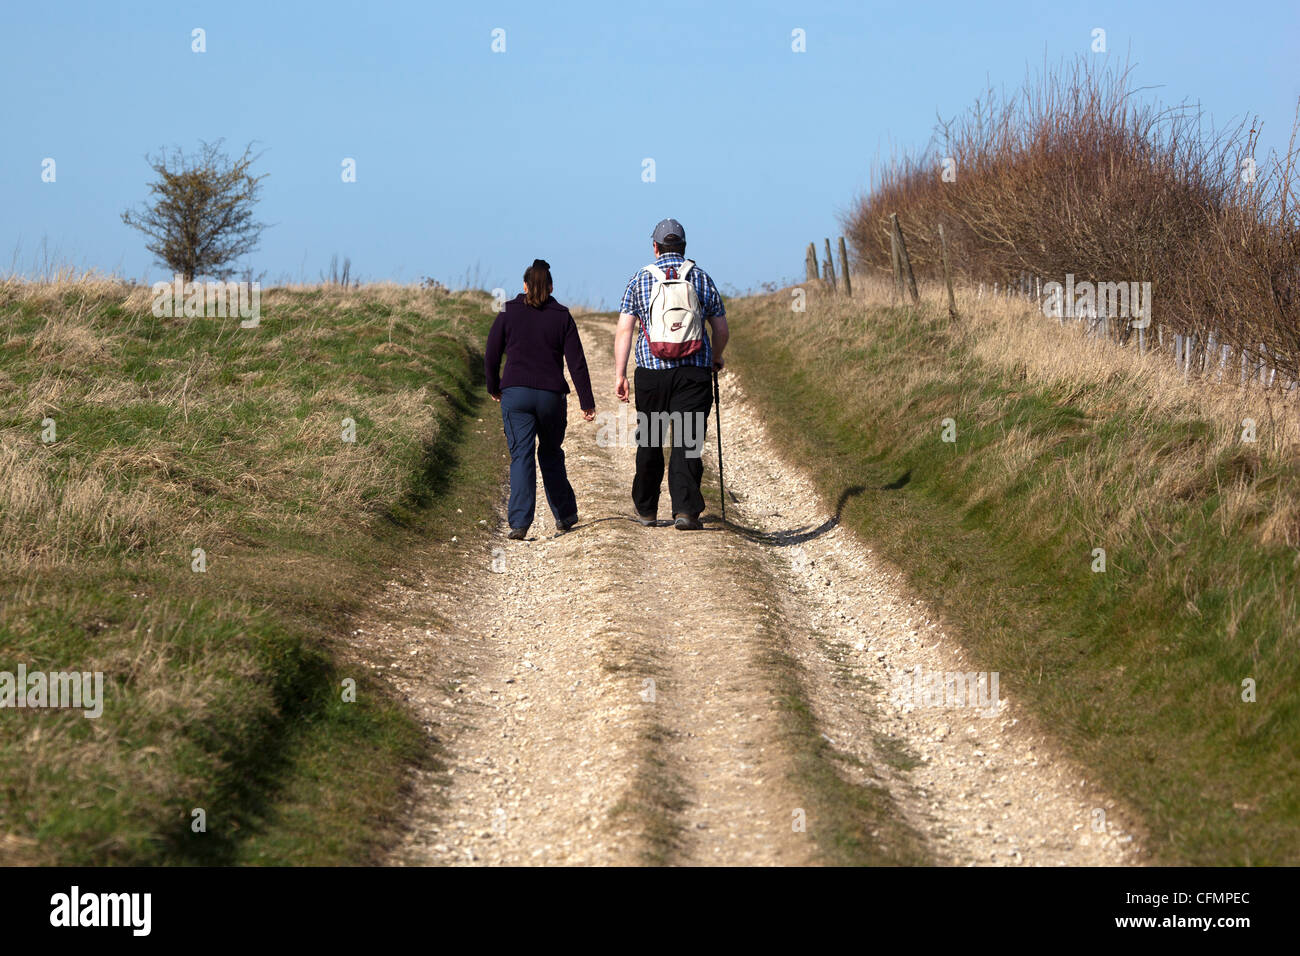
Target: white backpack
(675, 329)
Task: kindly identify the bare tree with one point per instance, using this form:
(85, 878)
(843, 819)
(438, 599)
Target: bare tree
(200, 219)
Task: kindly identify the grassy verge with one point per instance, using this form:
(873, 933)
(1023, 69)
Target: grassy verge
(1139, 668)
(655, 797)
(852, 824)
(654, 802)
(223, 689)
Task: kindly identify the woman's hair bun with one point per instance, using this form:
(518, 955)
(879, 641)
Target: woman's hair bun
(538, 279)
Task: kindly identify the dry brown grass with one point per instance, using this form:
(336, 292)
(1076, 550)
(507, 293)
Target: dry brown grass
(1010, 332)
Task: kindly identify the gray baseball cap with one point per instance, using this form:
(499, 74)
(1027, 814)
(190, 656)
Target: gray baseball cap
(666, 228)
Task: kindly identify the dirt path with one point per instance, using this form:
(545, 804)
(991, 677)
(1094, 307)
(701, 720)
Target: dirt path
(597, 707)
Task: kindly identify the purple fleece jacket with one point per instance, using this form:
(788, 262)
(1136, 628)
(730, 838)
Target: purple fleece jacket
(537, 342)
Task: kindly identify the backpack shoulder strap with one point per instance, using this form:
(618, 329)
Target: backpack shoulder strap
(655, 271)
(686, 267)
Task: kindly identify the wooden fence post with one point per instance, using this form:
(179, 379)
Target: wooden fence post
(828, 267)
(844, 268)
(810, 262)
(903, 258)
(947, 275)
(896, 264)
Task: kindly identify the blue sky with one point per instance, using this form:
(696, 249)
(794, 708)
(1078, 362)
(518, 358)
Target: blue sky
(471, 163)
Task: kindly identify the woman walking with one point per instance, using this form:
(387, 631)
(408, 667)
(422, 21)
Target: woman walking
(537, 335)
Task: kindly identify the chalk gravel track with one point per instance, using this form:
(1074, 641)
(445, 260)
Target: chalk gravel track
(593, 667)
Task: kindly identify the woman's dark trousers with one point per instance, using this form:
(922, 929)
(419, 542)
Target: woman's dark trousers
(534, 421)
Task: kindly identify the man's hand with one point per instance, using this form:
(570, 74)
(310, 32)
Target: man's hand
(620, 388)
(589, 414)
(719, 339)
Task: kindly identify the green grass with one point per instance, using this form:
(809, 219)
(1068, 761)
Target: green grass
(654, 800)
(223, 688)
(1139, 669)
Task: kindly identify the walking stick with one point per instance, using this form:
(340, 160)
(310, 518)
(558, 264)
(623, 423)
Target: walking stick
(717, 411)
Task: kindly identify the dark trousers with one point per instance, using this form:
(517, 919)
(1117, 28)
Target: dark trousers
(688, 391)
(535, 420)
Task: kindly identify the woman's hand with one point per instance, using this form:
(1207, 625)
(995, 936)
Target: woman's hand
(589, 414)
(496, 396)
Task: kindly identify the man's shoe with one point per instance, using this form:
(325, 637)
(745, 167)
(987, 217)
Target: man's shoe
(687, 523)
(563, 526)
(647, 522)
(517, 534)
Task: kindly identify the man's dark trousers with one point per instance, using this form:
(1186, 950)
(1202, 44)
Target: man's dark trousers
(688, 390)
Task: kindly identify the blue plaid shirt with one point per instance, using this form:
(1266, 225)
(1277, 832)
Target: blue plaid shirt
(636, 301)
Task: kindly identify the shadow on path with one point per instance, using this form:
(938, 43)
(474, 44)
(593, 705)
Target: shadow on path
(791, 536)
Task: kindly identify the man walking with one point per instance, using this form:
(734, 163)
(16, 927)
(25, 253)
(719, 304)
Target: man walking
(666, 306)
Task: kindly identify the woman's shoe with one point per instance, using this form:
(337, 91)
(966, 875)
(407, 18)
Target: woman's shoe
(517, 534)
(687, 523)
